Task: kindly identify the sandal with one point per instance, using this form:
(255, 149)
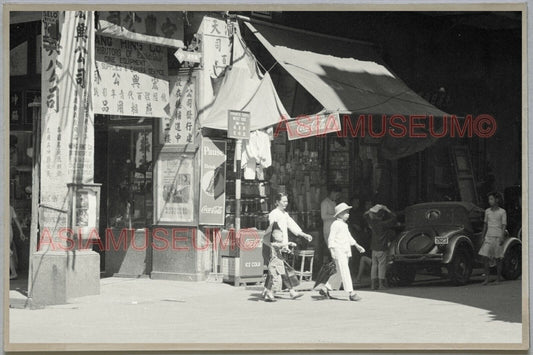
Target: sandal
(324, 292)
(269, 297)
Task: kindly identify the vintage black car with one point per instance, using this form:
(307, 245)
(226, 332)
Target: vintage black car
(445, 235)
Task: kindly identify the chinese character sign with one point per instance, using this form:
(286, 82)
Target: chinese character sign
(67, 143)
(216, 45)
(238, 124)
(165, 28)
(216, 56)
(179, 128)
(130, 78)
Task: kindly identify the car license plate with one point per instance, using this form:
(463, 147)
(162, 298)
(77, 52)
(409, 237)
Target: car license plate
(441, 240)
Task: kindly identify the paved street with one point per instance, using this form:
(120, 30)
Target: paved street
(154, 311)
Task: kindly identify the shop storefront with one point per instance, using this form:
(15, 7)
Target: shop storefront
(149, 120)
(345, 86)
(132, 128)
(119, 111)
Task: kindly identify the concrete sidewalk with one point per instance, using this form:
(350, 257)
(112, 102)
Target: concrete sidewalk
(157, 311)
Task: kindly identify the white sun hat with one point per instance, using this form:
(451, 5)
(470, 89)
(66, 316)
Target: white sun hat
(341, 207)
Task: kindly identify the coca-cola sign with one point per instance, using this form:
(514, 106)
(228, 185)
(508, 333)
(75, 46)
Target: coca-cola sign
(313, 125)
(212, 182)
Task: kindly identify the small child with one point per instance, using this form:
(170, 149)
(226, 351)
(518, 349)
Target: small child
(493, 235)
(340, 244)
(276, 267)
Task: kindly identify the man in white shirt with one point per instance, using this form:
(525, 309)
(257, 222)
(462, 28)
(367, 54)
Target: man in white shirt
(285, 222)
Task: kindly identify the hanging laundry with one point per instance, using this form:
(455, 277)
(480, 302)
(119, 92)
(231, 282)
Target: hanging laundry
(256, 150)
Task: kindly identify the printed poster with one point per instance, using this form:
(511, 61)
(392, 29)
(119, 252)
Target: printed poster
(85, 206)
(175, 189)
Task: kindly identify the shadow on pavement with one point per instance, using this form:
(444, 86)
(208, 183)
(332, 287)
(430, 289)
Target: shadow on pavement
(256, 297)
(503, 301)
(20, 286)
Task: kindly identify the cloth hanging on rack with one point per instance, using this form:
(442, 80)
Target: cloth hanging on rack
(256, 150)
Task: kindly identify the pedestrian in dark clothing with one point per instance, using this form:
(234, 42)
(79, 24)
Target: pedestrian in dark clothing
(359, 229)
(380, 221)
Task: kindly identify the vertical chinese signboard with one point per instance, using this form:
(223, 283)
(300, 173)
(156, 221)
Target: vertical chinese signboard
(67, 145)
(216, 56)
(212, 182)
(130, 78)
(179, 128)
(175, 189)
(216, 45)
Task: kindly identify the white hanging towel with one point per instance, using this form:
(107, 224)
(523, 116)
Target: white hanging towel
(256, 150)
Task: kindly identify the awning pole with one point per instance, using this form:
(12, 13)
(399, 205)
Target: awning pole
(238, 149)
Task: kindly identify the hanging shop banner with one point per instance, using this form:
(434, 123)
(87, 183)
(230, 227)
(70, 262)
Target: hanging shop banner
(213, 182)
(130, 78)
(216, 55)
(313, 125)
(216, 45)
(175, 189)
(67, 144)
(179, 127)
(163, 27)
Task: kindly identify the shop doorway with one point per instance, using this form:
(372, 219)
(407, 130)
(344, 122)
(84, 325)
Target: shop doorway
(123, 164)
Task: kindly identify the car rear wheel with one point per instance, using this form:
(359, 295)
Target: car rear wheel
(512, 263)
(460, 268)
(401, 275)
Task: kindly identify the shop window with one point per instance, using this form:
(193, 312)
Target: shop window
(130, 200)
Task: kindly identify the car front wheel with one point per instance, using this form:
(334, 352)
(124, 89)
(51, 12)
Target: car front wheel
(460, 268)
(512, 263)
